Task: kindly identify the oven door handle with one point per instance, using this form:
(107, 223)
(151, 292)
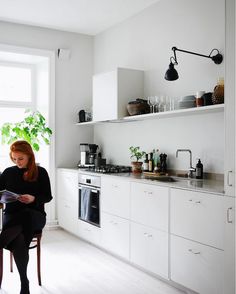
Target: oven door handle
(89, 187)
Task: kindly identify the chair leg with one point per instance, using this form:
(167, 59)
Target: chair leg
(11, 262)
(39, 260)
(1, 266)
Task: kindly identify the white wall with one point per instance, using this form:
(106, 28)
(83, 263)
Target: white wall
(73, 82)
(145, 42)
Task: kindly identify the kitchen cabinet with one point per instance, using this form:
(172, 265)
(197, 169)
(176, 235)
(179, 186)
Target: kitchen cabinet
(149, 213)
(67, 199)
(230, 99)
(113, 90)
(149, 249)
(197, 216)
(88, 232)
(196, 266)
(149, 205)
(115, 196)
(229, 245)
(197, 240)
(115, 234)
(115, 207)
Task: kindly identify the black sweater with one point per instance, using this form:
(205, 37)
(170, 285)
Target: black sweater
(12, 179)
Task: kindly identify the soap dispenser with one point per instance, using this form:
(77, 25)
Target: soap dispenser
(199, 170)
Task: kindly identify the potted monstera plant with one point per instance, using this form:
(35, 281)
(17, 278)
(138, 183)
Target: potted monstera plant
(136, 154)
(32, 128)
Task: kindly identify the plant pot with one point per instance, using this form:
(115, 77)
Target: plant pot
(136, 167)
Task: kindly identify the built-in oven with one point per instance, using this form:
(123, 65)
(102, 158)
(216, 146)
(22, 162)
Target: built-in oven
(89, 199)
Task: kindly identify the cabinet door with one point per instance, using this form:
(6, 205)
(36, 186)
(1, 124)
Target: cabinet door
(115, 234)
(196, 266)
(197, 216)
(67, 184)
(115, 196)
(68, 215)
(149, 249)
(67, 199)
(229, 246)
(105, 96)
(229, 57)
(149, 205)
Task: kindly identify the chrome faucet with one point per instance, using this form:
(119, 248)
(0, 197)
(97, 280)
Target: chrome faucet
(191, 169)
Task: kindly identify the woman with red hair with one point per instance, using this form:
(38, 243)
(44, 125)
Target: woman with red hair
(22, 218)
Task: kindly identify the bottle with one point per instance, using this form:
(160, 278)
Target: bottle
(199, 170)
(145, 163)
(199, 98)
(150, 162)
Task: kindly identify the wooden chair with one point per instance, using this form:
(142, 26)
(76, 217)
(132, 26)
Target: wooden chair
(35, 243)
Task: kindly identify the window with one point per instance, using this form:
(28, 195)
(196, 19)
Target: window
(17, 84)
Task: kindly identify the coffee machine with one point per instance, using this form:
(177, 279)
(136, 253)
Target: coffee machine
(88, 154)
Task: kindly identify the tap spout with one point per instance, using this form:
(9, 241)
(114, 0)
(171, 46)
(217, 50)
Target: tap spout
(191, 168)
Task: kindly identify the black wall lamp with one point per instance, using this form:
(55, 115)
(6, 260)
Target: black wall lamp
(172, 74)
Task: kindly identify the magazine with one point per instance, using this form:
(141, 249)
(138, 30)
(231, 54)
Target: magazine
(8, 196)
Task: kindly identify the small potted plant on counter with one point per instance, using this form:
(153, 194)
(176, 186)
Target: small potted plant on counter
(136, 154)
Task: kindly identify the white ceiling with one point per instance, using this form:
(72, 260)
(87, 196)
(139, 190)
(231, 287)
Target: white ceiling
(81, 16)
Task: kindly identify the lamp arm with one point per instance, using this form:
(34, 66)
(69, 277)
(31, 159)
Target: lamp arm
(190, 52)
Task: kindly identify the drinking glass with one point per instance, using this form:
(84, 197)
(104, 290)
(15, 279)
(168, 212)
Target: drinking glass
(152, 102)
(162, 104)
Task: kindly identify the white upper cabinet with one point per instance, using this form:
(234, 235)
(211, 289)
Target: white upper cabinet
(113, 90)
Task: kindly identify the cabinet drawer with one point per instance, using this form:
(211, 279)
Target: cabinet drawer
(196, 266)
(197, 216)
(89, 232)
(149, 249)
(149, 205)
(115, 234)
(115, 196)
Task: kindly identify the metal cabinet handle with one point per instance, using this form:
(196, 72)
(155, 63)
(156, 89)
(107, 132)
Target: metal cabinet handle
(197, 202)
(228, 178)
(229, 220)
(194, 252)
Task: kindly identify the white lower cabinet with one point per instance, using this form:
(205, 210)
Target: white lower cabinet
(89, 232)
(196, 266)
(149, 249)
(67, 199)
(115, 234)
(68, 215)
(197, 216)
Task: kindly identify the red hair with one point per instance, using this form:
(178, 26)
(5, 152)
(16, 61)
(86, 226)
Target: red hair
(31, 174)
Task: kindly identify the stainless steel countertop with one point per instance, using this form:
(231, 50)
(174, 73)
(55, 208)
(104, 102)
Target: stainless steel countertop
(209, 186)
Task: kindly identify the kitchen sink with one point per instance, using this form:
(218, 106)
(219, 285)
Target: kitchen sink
(162, 178)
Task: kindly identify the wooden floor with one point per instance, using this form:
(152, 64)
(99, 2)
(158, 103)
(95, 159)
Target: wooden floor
(71, 266)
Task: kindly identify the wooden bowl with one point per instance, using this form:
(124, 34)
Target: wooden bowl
(138, 108)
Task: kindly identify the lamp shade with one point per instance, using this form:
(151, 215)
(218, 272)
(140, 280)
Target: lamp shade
(171, 73)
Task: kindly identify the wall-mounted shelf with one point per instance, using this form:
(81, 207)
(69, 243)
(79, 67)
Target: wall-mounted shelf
(166, 114)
